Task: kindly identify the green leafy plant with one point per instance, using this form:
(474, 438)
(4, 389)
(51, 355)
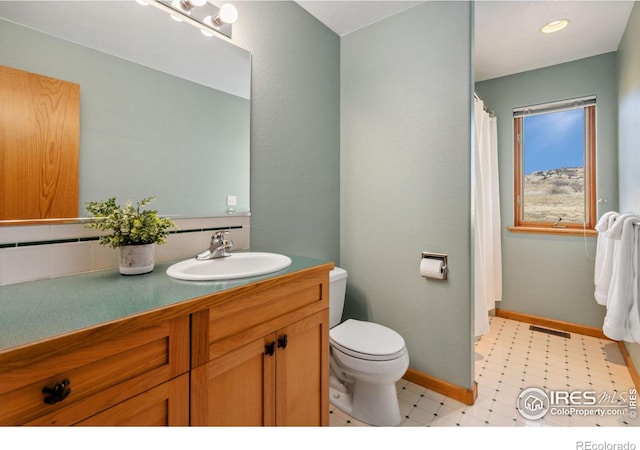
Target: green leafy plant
(129, 225)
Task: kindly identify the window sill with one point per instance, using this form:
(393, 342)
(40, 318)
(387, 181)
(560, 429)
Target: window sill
(556, 231)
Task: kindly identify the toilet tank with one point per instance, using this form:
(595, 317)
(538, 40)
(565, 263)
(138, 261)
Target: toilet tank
(337, 291)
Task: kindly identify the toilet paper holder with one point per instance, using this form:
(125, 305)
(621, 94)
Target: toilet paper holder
(439, 256)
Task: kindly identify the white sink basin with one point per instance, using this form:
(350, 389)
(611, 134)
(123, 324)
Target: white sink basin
(236, 265)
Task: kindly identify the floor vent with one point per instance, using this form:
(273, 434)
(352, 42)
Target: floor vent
(549, 331)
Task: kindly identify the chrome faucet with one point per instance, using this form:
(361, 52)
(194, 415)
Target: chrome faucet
(218, 248)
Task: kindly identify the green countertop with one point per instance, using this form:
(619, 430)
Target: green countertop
(37, 310)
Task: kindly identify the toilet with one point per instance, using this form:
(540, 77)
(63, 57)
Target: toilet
(366, 361)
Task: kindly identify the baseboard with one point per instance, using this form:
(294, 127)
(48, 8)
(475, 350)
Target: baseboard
(469, 396)
(635, 377)
(464, 395)
(573, 328)
(551, 323)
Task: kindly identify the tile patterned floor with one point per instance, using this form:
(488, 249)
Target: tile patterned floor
(509, 359)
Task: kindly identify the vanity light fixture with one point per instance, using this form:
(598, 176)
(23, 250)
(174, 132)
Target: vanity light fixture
(200, 13)
(184, 7)
(554, 26)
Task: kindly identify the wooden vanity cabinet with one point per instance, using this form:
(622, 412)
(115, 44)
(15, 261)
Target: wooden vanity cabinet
(257, 354)
(263, 359)
(100, 377)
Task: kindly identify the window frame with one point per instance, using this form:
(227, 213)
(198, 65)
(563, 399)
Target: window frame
(576, 229)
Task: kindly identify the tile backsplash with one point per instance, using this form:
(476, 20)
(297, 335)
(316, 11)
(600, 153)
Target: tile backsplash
(36, 252)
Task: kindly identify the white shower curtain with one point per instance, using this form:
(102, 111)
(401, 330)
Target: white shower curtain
(486, 218)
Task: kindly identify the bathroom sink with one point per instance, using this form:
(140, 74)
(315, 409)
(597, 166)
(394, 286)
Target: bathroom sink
(234, 266)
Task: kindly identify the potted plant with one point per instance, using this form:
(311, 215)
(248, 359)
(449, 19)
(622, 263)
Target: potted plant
(133, 230)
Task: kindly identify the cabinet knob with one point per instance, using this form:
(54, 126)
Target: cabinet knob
(57, 393)
(270, 349)
(282, 342)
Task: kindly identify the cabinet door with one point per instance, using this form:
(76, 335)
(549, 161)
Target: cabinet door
(302, 372)
(236, 389)
(167, 404)
(99, 372)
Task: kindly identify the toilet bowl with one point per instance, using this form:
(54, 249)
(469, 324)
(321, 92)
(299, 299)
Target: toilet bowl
(366, 361)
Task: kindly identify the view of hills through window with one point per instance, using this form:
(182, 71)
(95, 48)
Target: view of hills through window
(553, 158)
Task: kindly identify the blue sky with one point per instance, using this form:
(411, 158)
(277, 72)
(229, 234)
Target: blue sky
(554, 140)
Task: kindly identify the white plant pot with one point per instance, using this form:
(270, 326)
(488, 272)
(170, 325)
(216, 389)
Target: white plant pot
(137, 259)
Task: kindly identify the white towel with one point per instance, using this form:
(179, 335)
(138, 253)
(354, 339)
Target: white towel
(634, 314)
(604, 222)
(604, 257)
(620, 298)
(609, 270)
(615, 230)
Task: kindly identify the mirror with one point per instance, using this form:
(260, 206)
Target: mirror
(164, 110)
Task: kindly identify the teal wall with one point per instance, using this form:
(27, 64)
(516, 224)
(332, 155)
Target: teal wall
(548, 275)
(295, 129)
(406, 94)
(629, 124)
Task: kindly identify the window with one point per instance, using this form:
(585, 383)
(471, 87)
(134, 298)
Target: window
(555, 167)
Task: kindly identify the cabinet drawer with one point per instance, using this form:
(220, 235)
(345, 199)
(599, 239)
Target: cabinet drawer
(164, 405)
(101, 373)
(237, 320)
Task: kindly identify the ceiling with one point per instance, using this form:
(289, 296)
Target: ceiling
(506, 38)
(344, 16)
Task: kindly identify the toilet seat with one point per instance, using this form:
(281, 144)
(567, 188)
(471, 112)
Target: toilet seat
(367, 340)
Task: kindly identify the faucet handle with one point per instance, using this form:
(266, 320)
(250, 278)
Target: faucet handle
(219, 235)
(218, 238)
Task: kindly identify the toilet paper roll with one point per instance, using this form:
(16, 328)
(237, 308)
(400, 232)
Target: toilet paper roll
(432, 268)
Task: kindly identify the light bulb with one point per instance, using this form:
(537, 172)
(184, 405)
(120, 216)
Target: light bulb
(554, 26)
(228, 13)
(210, 21)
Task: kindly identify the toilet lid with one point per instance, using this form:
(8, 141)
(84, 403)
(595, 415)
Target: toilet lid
(367, 340)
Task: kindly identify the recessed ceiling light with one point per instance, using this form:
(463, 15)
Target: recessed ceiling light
(554, 26)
